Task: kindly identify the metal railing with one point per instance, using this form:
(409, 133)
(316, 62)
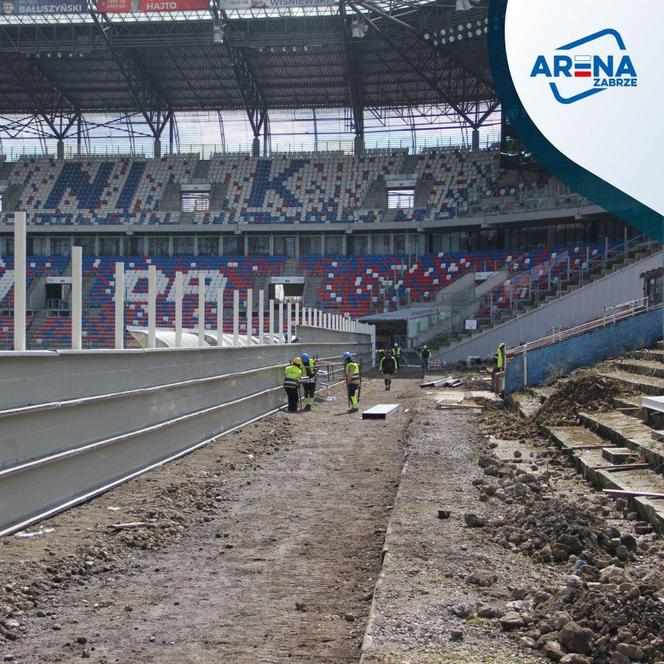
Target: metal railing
(610, 316)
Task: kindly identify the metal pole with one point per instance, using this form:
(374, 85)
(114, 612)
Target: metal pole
(250, 314)
(178, 309)
(152, 306)
(289, 322)
(201, 310)
(261, 316)
(119, 305)
(236, 317)
(296, 321)
(19, 280)
(220, 317)
(76, 297)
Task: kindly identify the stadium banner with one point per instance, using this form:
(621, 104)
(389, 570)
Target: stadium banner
(275, 4)
(173, 5)
(113, 6)
(25, 7)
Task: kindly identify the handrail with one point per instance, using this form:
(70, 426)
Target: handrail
(634, 307)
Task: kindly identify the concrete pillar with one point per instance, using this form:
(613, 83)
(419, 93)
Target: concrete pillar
(152, 306)
(358, 144)
(250, 314)
(289, 322)
(220, 317)
(76, 298)
(178, 309)
(281, 322)
(296, 320)
(201, 310)
(261, 316)
(236, 317)
(119, 305)
(60, 149)
(270, 328)
(476, 139)
(256, 147)
(304, 314)
(20, 251)
(157, 148)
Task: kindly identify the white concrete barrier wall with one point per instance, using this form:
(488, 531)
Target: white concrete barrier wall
(72, 423)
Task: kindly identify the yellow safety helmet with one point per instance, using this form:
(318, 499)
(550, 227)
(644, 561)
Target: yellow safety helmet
(297, 361)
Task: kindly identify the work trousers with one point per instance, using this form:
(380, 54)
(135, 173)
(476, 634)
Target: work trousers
(293, 394)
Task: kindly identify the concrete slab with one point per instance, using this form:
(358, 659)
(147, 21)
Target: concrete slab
(617, 455)
(527, 404)
(653, 403)
(642, 367)
(575, 438)
(511, 451)
(643, 384)
(380, 412)
(626, 431)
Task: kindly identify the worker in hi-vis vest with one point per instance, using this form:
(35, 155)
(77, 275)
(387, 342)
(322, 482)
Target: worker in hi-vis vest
(353, 382)
(396, 353)
(292, 376)
(498, 372)
(388, 369)
(308, 380)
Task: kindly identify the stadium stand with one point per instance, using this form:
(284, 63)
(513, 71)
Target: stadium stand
(354, 285)
(306, 188)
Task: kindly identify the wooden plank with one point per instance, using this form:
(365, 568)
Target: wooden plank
(625, 466)
(634, 494)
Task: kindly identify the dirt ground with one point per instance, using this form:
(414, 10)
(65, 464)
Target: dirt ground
(263, 547)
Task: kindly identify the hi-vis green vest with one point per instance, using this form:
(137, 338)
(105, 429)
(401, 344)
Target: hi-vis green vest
(310, 368)
(293, 375)
(353, 373)
(500, 357)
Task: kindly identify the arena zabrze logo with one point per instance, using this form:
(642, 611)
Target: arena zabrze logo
(593, 72)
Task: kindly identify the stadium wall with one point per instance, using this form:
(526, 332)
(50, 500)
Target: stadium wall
(74, 424)
(543, 364)
(580, 306)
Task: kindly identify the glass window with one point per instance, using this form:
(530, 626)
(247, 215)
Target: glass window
(195, 201)
(38, 246)
(380, 244)
(357, 245)
(415, 244)
(334, 245)
(6, 246)
(309, 245)
(284, 246)
(208, 246)
(61, 246)
(158, 246)
(259, 245)
(109, 246)
(400, 243)
(400, 199)
(87, 244)
(233, 245)
(183, 246)
(136, 246)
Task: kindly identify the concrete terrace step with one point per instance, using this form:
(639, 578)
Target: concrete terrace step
(644, 384)
(626, 431)
(571, 439)
(653, 355)
(652, 368)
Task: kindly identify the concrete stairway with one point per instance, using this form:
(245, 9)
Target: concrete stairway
(623, 449)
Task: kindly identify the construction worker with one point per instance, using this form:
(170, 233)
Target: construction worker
(388, 369)
(499, 368)
(353, 382)
(293, 374)
(381, 355)
(425, 354)
(309, 380)
(396, 352)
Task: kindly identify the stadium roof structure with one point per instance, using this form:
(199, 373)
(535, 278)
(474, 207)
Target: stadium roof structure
(355, 55)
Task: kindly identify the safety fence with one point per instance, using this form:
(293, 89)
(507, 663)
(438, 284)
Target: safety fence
(75, 424)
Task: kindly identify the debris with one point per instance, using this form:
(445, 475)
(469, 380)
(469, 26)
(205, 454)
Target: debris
(131, 526)
(444, 514)
(24, 534)
(450, 381)
(380, 412)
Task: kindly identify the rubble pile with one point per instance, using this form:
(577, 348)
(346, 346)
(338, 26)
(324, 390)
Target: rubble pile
(585, 391)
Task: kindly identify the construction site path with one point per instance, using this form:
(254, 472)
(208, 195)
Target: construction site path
(278, 565)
